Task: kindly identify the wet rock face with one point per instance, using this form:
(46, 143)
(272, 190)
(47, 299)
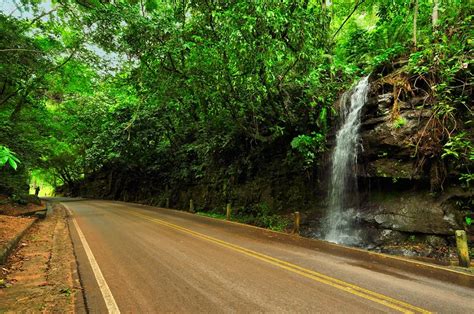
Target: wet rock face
(388, 142)
(427, 220)
(403, 204)
(383, 236)
(418, 211)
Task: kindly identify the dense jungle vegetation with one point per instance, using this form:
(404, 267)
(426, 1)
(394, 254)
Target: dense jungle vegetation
(158, 95)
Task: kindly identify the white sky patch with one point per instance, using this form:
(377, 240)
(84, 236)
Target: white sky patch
(112, 59)
(16, 9)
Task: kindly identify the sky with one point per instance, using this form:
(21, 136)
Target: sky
(16, 9)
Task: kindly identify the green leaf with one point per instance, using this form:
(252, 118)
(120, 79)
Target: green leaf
(12, 163)
(3, 160)
(468, 221)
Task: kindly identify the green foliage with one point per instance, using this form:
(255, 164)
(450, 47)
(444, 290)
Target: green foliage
(399, 122)
(264, 219)
(309, 146)
(8, 157)
(212, 215)
(184, 92)
(261, 215)
(66, 291)
(467, 178)
(459, 147)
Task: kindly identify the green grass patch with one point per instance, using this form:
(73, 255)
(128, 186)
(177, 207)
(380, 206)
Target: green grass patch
(399, 122)
(212, 215)
(273, 222)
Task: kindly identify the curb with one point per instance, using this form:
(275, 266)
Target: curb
(11, 245)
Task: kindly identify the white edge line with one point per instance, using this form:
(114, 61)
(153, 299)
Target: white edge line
(104, 288)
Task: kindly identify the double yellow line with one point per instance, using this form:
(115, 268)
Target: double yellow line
(333, 282)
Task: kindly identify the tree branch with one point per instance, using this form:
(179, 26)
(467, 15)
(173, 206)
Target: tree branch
(20, 49)
(42, 15)
(358, 3)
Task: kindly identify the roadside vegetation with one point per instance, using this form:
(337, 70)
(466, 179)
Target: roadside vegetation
(155, 96)
(260, 216)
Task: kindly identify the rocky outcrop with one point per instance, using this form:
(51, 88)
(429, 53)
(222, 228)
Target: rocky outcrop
(398, 194)
(413, 212)
(388, 143)
(397, 198)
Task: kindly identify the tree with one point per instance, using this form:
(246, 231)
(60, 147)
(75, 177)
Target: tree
(435, 13)
(415, 21)
(185, 92)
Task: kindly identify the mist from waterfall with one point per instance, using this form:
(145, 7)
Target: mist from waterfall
(343, 191)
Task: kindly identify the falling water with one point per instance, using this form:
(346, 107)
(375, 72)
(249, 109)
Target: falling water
(339, 223)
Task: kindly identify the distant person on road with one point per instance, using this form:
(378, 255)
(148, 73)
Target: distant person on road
(37, 191)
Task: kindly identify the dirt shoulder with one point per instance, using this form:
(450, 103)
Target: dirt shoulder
(10, 208)
(12, 227)
(41, 274)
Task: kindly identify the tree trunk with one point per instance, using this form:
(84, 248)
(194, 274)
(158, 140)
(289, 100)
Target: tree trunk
(415, 18)
(435, 13)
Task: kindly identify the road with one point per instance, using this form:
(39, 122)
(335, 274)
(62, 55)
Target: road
(160, 260)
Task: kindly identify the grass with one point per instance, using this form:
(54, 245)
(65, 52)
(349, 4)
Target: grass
(399, 122)
(212, 215)
(272, 222)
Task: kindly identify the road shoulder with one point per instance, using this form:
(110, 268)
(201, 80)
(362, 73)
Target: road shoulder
(41, 274)
(92, 297)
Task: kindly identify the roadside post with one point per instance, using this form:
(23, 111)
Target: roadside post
(49, 208)
(191, 206)
(462, 249)
(228, 211)
(296, 226)
(167, 194)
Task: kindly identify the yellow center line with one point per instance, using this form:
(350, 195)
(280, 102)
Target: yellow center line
(333, 282)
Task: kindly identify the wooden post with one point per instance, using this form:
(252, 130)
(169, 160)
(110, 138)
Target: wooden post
(296, 227)
(228, 211)
(462, 249)
(191, 206)
(167, 204)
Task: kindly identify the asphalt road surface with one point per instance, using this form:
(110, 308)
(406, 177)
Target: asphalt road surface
(140, 259)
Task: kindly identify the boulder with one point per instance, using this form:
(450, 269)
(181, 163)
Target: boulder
(413, 212)
(385, 236)
(435, 241)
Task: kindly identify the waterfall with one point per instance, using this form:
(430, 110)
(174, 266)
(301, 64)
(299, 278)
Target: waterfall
(343, 191)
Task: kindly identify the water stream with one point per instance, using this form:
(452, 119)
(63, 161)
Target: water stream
(343, 191)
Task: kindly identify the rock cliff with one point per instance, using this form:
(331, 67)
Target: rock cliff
(408, 189)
